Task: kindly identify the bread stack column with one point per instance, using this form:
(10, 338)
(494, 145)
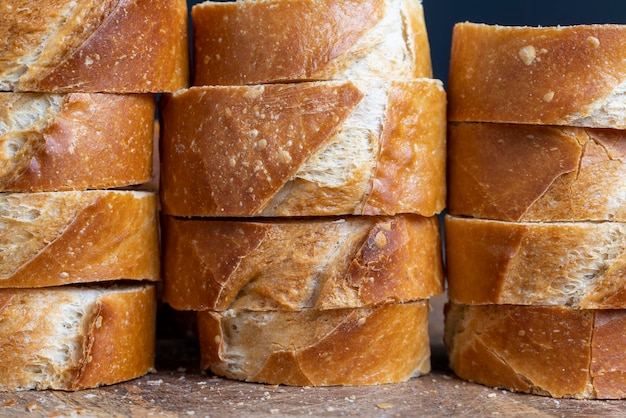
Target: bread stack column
(79, 240)
(301, 179)
(535, 241)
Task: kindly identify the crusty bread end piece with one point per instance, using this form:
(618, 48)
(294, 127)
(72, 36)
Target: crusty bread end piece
(317, 40)
(536, 173)
(576, 264)
(76, 141)
(552, 351)
(121, 46)
(348, 347)
(351, 262)
(366, 147)
(564, 75)
(58, 238)
(73, 338)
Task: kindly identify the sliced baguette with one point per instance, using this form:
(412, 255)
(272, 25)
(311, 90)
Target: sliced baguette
(552, 351)
(297, 264)
(565, 75)
(76, 141)
(577, 264)
(121, 46)
(257, 42)
(349, 347)
(72, 338)
(57, 238)
(536, 173)
(305, 149)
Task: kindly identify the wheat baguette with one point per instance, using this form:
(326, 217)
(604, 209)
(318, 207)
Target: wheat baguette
(75, 141)
(536, 172)
(370, 147)
(73, 337)
(210, 264)
(552, 351)
(115, 46)
(577, 264)
(349, 347)
(58, 238)
(565, 75)
(257, 42)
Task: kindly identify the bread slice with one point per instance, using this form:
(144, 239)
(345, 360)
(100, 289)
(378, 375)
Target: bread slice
(565, 75)
(553, 351)
(57, 238)
(577, 264)
(73, 337)
(536, 172)
(282, 264)
(121, 46)
(367, 147)
(272, 41)
(75, 141)
(350, 347)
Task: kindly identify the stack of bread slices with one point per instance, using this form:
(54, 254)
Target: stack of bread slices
(536, 236)
(79, 241)
(301, 180)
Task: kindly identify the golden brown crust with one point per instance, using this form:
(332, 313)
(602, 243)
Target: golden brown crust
(348, 347)
(125, 46)
(288, 40)
(305, 149)
(76, 237)
(575, 264)
(291, 265)
(79, 141)
(553, 351)
(546, 75)
(73, 338)
(536, 173)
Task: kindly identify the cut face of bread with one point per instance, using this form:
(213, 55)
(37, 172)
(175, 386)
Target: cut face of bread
(576, 264)
(349, 347)
(72, 338)
(305, 149)
(546, 350)
(297, 264)
(123, 46)
(536, 173)
(565, 75)
(59, 238)
(77, 141)
(317, 40)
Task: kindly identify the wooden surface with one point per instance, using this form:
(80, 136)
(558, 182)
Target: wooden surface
(178, 389)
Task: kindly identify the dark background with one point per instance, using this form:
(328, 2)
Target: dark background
(441, 15)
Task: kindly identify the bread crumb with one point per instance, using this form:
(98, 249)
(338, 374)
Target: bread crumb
(33, 406)
(528, 54)
(593, 42)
